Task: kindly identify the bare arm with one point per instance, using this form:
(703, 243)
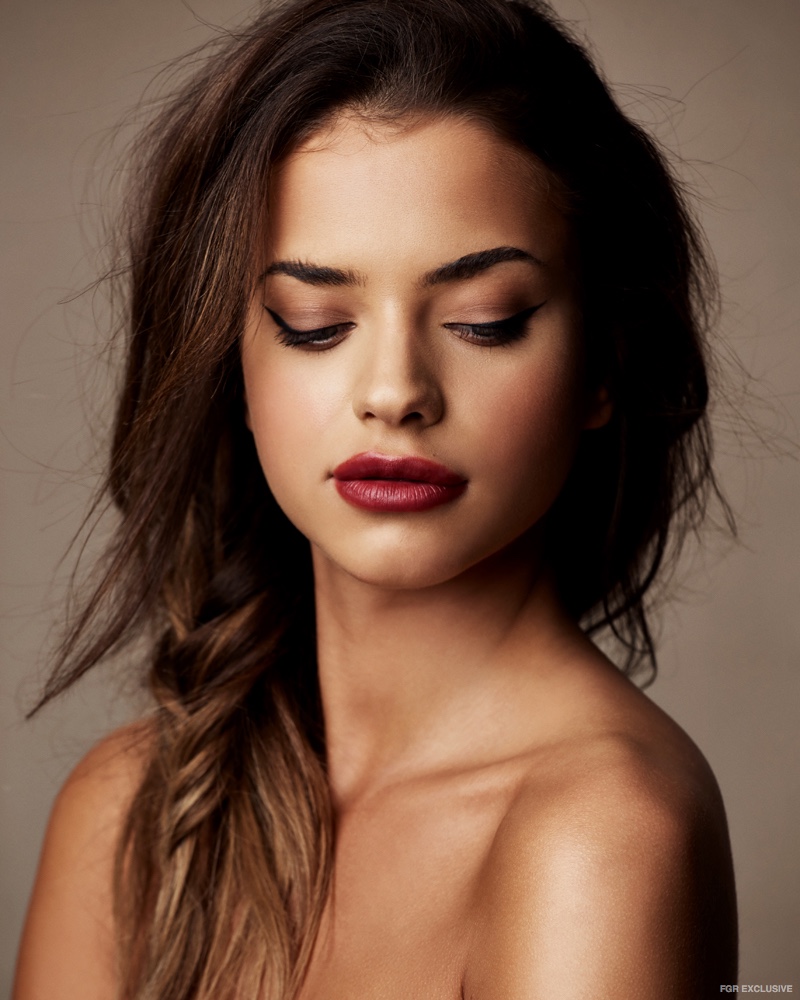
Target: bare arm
(67, 950)
(621, 891)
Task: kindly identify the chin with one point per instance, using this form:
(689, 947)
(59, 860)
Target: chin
(404, 564)
(390, 570)
(408, 577)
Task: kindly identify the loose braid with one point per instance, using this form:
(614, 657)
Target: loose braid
(230, 827)
(223, 867)
(225, 860)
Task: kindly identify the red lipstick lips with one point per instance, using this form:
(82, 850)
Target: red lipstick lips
(391, 483)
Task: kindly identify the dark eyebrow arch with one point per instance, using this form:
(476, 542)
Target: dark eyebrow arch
(457, 270)
(313, 274)
(473, 263)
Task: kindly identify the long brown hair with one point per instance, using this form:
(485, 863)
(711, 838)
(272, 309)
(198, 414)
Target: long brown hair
(225, 861)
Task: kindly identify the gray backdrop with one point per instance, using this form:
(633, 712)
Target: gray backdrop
(719, 83)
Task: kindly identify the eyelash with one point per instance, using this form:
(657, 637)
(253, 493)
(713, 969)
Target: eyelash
(319, 339)
(499, 333)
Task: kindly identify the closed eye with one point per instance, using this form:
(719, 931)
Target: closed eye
(318, 339)
(499, 332)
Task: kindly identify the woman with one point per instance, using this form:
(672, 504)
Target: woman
(414, 402)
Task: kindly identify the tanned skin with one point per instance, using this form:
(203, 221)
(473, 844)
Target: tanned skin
(515, 820)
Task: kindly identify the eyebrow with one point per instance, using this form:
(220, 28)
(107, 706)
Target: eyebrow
(473, 263)
(313, 274)
(456, 270)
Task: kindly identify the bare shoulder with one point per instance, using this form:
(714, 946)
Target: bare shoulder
(108, 775)
(67, 943)
(610, 875)
(92, 803)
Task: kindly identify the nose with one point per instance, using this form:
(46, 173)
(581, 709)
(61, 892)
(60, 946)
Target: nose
(398, 383)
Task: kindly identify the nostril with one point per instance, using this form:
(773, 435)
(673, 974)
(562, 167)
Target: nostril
(408, 402)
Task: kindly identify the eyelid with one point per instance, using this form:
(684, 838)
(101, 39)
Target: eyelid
(496, 333)
(499, 324)
(281, 322)
(500, 331)
(318, 339)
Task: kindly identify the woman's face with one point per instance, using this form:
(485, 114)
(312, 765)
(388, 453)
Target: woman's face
(419, 301)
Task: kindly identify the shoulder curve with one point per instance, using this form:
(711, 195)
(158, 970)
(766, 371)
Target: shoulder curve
(617, 866)
(67, 947)
(609, 796)
(618, 773)
(115, 763)
(94, 798)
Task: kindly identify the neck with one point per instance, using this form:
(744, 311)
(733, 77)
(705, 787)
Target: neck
(409, 677)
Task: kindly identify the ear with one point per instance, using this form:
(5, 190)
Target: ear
(599, 409)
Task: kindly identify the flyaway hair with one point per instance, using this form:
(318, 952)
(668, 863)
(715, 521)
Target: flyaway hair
(225, 863)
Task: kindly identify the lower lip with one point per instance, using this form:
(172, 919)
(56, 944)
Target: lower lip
(397, 495)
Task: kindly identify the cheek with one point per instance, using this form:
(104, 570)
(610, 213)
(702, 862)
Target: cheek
(289, 411)
(530, 428)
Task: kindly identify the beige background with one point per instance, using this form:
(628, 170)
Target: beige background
(724, 89)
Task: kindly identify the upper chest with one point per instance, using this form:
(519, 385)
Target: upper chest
(407, 873)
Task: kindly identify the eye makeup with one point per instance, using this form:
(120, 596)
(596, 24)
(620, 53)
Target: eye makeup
(319, 339)
(499, 332)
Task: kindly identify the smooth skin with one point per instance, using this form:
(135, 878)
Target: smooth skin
(515, 819)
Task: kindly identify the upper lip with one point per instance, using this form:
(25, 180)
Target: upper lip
(369, 465)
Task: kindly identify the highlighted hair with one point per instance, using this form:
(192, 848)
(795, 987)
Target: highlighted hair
(225, 864)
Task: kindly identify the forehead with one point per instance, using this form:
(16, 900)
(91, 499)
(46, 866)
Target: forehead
(372, 195)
